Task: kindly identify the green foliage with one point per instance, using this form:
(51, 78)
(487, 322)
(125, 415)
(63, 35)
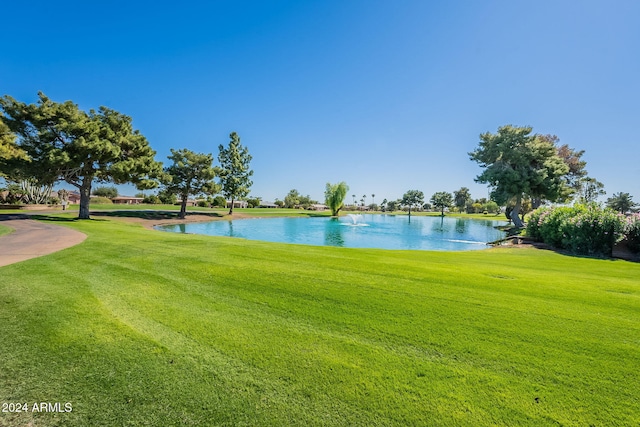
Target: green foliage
(442, 200)
(412, 198)
(234, 170)
(462, 197)
(108, 192)
(220, 202)
(63, 142)
(190, 174)
(581, 229)
(621, 202)
(334, 195)
(589, 190)
(166, 197)
(99, 200)
(8, 147)
(254, 202)
(517, 164)
(152, 199)
(294, 199)
(491, 207)
(166, 329)
(632, 232)
(393, 205)
(203, 203)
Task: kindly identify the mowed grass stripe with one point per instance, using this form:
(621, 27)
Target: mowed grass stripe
(269, 334)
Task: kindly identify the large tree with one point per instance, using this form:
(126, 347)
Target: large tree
(189, 174)
(590, 189)
(518, 164)
(64, 142)
(412, 198)
(234, 170)
(8, 147)
(295, 199)
(461, 198)
(621, 202)
(334, 195)
(441, 200)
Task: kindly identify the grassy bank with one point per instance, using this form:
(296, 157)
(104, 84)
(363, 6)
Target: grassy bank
(139, 327)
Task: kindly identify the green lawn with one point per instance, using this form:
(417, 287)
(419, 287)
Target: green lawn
(138, 327)
(5, 230)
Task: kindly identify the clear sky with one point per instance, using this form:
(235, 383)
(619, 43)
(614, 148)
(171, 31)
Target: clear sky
(385, 95)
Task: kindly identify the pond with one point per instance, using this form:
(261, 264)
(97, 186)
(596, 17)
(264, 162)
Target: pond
(358, 231)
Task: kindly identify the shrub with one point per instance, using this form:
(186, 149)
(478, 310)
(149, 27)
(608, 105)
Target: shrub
(108, 192)
(101, 200)
(151, 200)
(632, 232)
(203, 203)
(587, 230)
(220, 202)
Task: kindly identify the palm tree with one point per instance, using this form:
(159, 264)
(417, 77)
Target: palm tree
(364, 200)
(354, 199)
(373, 199)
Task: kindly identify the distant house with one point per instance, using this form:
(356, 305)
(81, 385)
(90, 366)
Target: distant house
(318, 207)
(126, 200)
(268, 205)
(73, 197)
(238, 203)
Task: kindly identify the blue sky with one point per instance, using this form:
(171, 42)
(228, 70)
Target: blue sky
(385, 95)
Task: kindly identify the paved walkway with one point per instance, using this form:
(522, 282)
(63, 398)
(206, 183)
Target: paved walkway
(32, 239)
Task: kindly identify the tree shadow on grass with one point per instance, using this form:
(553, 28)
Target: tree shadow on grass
(153, 215)
(39, 217)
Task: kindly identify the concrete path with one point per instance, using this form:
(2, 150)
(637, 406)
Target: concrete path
(32, 239)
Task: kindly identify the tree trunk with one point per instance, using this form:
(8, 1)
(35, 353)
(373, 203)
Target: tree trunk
(183, 207)
(442, 212)
(536, 202)
(85, 198)
(231, 209)
(516, 211)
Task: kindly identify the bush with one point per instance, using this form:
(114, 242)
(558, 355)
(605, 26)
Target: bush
(108, 192)
(220, 202)
(587, 230)
(151, 200)
(632, 232)
(101, 200)
(203, 203)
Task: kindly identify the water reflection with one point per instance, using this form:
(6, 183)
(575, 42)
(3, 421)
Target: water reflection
(441, 226)
(380, 231)
(231, 233)
(333, 233)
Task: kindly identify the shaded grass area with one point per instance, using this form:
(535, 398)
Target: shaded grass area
(5, 230)
(136, 327)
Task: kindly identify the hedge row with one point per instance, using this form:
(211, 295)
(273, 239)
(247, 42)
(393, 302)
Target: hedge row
(586, 230)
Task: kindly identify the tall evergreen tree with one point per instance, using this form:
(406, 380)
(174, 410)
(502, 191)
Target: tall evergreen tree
(234, 170)
(441, 200)
(621, 202)
(189, 174)
(462, 197)
(63, 142)
(412, 198)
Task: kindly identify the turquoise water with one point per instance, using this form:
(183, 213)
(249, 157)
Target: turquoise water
(368, 231)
